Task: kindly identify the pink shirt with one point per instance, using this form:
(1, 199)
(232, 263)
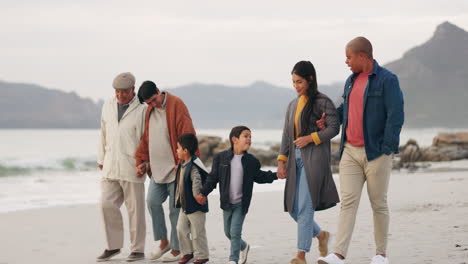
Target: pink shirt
(354, 128)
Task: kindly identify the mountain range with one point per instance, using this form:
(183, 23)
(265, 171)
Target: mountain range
(433, 77)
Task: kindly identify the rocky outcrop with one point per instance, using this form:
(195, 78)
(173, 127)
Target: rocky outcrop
(445, 147)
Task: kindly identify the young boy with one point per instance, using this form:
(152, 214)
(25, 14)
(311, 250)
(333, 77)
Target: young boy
(190, 176)
(236, 171)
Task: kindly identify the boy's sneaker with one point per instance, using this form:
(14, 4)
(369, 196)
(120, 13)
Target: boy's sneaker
(168, 257)
(201, 261)
(243, 254)
(159, 252)
(186, 258)
(330, 259)
(134, 256)
(107, 254)
(378, 259)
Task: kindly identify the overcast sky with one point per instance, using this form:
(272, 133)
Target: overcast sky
(81, 45)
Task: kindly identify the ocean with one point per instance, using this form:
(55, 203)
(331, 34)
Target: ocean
(44, 168)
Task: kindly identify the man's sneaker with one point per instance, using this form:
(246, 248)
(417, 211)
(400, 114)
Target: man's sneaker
(159, 252)
(134, 256)
(186, 258)
(201, 261)
(378, 259)
(330, 259)
(107, 254)
(168, 257)
(243, 254)
(323, 244)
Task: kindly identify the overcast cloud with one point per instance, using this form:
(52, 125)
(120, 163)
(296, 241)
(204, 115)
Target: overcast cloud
(81, 45)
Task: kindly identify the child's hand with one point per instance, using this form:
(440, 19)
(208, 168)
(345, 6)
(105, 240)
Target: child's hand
(201, 199)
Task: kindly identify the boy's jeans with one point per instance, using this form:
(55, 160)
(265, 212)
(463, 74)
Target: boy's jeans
(157, 195)
(233, 221)
(303, 211)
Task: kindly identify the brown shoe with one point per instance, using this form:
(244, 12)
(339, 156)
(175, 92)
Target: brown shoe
(201, 261)
(107, 254)
(297, 261)
(186, 258)
(323, 244)
(134, 256)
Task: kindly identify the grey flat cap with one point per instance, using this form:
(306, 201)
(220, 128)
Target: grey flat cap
(124, 80)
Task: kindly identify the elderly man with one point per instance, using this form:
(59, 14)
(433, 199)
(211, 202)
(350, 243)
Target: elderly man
(122, 125)
(167, 118)
(372, 116)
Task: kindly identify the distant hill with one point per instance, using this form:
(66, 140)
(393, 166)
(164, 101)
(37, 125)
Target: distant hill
(433, 76)
(259, 105)
(33, 106)
(434, 79)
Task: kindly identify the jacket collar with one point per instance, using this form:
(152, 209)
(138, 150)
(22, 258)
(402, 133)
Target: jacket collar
(131, 106)
(375, 71)
(167, 98)
(230, 153)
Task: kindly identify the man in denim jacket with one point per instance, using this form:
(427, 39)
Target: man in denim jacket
(372, 116)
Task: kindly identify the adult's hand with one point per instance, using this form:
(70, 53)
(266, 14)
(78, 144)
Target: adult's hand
(301, 142)
(281, 171)
(100, 166)
(321, 122)
(141, 170)
(201, 199)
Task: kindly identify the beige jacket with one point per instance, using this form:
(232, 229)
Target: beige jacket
(120, 140)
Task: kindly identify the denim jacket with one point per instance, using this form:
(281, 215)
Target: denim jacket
(383, 114)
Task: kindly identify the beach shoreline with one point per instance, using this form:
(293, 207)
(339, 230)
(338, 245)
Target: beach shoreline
(428, 225)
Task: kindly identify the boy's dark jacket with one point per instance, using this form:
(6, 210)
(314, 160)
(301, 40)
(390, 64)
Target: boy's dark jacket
(221, 172)
(190, 204)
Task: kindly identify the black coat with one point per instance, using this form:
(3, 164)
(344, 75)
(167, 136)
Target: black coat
(189, 204)
(221, 172)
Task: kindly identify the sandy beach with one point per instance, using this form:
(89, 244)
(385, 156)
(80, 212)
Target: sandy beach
(429, 212)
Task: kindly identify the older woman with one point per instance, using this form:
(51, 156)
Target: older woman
(304, 159)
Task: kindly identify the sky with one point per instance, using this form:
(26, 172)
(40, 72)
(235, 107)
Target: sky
(82, 45)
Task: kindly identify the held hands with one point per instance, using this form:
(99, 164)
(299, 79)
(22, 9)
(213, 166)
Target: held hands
(321, 122)
(141, 170)
(201, 199)
(100, 166)
(281, 171)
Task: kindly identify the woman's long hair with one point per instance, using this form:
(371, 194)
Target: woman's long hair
(306, 70)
